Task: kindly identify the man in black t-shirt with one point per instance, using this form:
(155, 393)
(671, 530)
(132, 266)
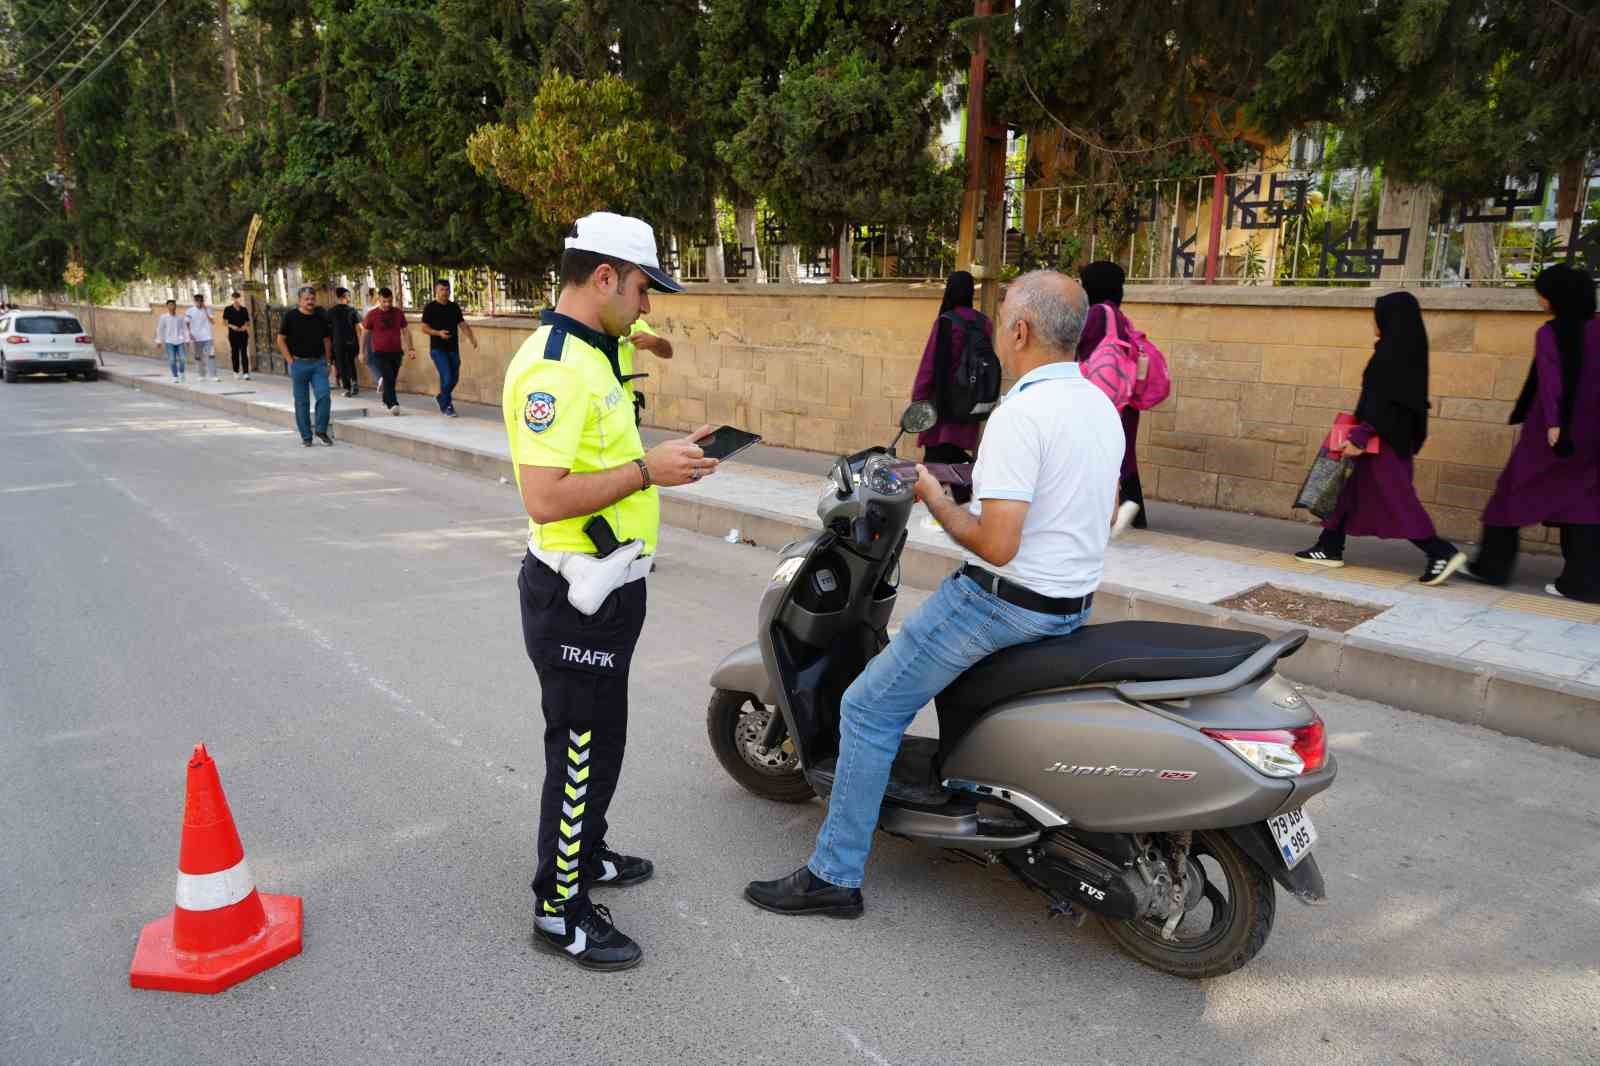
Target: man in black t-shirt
(441, 321)
(346, 322)
(237, 316)
(305, 337)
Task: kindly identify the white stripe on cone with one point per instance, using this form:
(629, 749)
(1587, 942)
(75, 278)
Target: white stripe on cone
(210, 892)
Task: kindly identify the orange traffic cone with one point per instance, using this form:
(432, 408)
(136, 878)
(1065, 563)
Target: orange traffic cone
(222, 930)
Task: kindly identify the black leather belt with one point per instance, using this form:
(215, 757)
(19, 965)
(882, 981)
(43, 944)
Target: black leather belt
(1024, 597)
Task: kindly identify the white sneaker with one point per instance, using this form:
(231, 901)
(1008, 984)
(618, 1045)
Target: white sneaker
(247, 377)
(1126, 513)
(215, 378)
(236, 375)
(176, 379)
(1551, 589)
(395, 410)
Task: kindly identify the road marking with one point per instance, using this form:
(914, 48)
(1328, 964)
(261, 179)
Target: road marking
(41, 488)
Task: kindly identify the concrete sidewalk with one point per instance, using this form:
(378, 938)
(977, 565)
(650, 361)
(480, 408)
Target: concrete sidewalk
(1514, 660)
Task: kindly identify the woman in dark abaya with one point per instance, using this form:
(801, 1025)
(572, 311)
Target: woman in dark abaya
(1553, 476)
(1379, 499)
(947, 441)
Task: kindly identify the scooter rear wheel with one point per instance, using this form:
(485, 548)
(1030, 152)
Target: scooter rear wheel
(735, 721)
(1222, 931)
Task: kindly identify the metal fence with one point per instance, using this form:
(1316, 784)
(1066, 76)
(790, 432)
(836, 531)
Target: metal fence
(1267, 227)
(1297, 227)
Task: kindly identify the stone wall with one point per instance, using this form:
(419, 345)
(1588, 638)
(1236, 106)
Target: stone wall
(1258, 375)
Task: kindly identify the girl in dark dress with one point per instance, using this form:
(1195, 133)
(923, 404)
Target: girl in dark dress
(1553, 476)
(1379, 500)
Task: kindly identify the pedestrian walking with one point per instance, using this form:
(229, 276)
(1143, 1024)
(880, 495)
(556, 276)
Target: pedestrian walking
(1379, 498)
(305, 337)
(1553, 476)
(444, 324)
(1103, 284)
(366, 339)
(385, 328)
(237, 317)
(949, 441)
(172, 335)
(347, 331)
(201, 346)
(589, 488)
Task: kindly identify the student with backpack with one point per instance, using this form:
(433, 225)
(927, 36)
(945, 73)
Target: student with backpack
(959, 374)
(1128, 368)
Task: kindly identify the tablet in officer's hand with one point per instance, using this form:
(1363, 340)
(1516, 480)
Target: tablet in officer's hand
(725, 442)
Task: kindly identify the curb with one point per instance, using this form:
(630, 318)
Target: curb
(1509, 701)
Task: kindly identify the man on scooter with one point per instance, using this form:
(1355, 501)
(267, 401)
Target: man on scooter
(1046, 484)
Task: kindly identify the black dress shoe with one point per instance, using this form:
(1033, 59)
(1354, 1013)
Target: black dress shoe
(588, 938)
(608, 867)
(803, 892)
(324, 438)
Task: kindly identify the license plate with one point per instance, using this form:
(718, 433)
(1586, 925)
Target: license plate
(1295, 834)
(56, 355)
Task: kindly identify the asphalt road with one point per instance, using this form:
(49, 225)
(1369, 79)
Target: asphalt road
(341, 628)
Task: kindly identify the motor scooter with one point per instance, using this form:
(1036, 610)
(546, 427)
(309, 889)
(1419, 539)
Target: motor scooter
(1149, 773)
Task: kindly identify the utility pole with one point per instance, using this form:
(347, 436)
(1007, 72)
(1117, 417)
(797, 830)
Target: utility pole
(986, 165)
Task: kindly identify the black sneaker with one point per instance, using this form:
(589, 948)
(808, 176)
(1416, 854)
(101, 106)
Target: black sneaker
(324, 438)
(803, 892)
(608, 867)
(1440, 567)
(1321, 557)
(589, 939)
(306, 441)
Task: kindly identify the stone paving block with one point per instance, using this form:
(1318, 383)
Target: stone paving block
(1544, 664)
(1420, 680)
(1524, 705)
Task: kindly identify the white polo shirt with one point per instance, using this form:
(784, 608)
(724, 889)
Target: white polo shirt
(1055, 442)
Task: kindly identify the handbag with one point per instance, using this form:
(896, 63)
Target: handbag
(1324, 482)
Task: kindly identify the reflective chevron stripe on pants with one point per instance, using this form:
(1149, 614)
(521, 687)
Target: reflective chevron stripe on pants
(582, 662)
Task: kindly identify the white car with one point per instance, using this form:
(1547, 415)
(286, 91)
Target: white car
(46, 342)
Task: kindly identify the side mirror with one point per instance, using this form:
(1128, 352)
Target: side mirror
(919, 417)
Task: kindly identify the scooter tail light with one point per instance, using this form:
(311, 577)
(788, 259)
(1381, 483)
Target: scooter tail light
(1278, 752)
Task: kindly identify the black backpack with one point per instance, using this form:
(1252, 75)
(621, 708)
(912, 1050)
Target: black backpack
(969, 386)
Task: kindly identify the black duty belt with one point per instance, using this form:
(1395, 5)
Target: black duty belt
(1024, 597)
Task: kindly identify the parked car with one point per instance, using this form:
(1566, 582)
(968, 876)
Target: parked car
(46, 342)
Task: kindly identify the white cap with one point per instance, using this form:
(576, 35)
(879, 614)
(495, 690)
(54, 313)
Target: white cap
(626, 238)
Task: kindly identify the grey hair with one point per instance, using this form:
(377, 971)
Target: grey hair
(312, 289)
(1055, 316)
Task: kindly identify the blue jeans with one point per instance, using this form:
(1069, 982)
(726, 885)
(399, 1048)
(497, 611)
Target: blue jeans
(309, 375)
(448, 364)
(958, 626)
(175, 359)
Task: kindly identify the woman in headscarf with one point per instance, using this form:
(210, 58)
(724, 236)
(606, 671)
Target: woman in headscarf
(1379, 499)
(948, 441)
(1553, 476)
(1102, 283)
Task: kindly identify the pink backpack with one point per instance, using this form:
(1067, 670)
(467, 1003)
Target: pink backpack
(1113, 367)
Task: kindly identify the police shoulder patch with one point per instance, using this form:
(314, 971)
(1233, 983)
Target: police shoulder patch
(539, 411)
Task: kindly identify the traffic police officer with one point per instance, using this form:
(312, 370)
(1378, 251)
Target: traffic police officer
(589, 488)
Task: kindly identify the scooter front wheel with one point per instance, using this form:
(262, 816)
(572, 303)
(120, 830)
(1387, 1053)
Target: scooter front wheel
(736, 723)
(1221, 931)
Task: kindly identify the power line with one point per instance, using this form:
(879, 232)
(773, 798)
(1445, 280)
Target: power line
(45, 69)
(18, 135)
(17, 114)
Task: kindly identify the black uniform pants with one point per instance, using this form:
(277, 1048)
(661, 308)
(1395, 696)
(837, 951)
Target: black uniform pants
(239, 349)
(582, 662)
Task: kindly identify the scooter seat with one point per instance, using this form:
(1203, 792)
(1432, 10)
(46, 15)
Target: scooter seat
(1102, 654)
